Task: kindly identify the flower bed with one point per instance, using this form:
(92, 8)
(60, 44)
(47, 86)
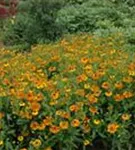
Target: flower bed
(67, 94)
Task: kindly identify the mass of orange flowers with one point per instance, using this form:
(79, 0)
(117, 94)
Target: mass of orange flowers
(77, 88)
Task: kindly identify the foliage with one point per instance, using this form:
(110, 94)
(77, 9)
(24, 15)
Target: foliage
(35, 23)
(64, 95)
(99, 16)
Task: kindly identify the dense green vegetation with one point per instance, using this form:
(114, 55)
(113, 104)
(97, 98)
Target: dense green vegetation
(46, 21)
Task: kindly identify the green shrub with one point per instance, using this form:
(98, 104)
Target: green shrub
(35, 23)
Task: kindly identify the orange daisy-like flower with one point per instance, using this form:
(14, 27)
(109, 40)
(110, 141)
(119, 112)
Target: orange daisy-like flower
(47, 121)
(105, 85)
(30, 96)
(55, 95)
(93, 110)
(34, 125)
(92, 98)
(35, 106)
(86, 128)
(112, 127)
(1, 115)
(72, 68)
(54, 129)
(84, 60)
(64, 125)
(128, 79)
(118, 97)
(127, 94)
(80, 92)
(75, 123)
(52, 68)
(74, 108)
(119, 85)
(82, 78)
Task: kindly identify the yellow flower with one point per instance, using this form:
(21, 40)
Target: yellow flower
(96, 121)
(108, 93)
(86, 142)
(1, 142)
(119, 85)
(64, 125)
(125, 117)
(112, 127)
(48, 148)
(34, 113)
(84, 60)
(86, 86)
(36, 143)
(92, 99)
(74, 108)
(20, 138)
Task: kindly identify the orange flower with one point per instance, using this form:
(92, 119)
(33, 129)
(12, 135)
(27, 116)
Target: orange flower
(96, 76)
(54, 129)
(88, 69)
(35, 106)
(82, 78)
(80, 92)
(92, 99)
(74, 108)
(93, 110)
(30, 96)
(47, 121)
(125, 117)
(34, 125)
(75, 123)
(119, 85)
(105, 85)
(86, 128)
(127, 94)
(72, 68)
(52, 69)
(64, 125)
(55, 95)
(1, 115)
(127, 79)
(41, 126)
(118, 97)
(84, 60)
(21, 94)
(94, 88)
(65, 115)
(112, 127)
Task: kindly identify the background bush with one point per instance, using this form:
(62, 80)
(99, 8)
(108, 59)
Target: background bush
(35, 23)
(44, 21)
